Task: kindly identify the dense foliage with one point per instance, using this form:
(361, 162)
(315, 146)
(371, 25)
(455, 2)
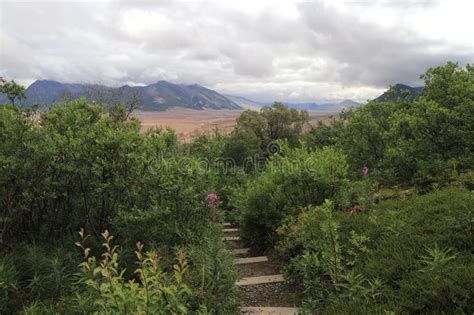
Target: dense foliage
(424, 141)
(78, 166)
(409, 256)
(294, 178)
(371, 213)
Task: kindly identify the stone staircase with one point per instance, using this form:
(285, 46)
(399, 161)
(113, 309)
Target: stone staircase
(262, 288)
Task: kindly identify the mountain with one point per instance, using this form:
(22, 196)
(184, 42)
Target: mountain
(192, 96)
(309, 106)
(158, 96)
(347, 104)
(245, 102)
(398, 90)
(250, 104)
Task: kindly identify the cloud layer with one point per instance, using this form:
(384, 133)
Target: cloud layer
(267, 50)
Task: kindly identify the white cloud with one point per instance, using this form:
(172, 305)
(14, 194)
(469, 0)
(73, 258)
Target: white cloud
(300, 51)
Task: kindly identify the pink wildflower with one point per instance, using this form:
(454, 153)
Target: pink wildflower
(365, 170)
(212, 198)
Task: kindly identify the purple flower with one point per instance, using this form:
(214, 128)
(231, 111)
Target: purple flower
(212, 199)
(365, 170)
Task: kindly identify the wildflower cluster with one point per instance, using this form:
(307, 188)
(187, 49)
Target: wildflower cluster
(212, 204)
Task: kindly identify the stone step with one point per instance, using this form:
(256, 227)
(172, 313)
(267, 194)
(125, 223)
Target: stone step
(268, 310)
(250, 260)
(240, 251)
(230, 230)
(260, 280)
(226, 224)
(231, 238)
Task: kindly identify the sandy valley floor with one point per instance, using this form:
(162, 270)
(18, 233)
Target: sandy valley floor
(190, 123)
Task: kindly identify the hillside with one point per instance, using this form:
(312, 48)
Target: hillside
(245, 102)
(398, 90)
(154, 97)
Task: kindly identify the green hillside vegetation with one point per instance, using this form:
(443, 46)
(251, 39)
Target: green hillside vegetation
(372, 213)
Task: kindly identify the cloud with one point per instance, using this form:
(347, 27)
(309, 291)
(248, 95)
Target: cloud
(300, 51)
(372, 54)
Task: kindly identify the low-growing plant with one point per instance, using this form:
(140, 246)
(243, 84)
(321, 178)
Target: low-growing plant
(35, 275)
(9, 291)
(212, 274)
(152, 292)
(410, 256)
(327, 258)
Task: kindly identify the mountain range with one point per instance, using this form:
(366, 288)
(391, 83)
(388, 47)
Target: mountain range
(163, 95)
(247, 103)
(158, 96)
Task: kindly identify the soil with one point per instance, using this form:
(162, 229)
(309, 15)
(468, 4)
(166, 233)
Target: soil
(258, 269)
(234, 245)
(278, 294)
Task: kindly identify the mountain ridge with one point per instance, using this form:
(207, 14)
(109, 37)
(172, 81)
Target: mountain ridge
(397, 91)
(154, 97)
(250, 104)
(163, 95)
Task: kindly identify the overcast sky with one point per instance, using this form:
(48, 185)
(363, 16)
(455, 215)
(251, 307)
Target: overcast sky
(265, 50)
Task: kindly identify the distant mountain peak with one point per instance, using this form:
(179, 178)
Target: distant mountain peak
(348, 103)
(158, 96)
(250, 104)
(396, 91)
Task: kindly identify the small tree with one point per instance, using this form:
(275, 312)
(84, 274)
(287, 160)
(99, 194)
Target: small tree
(12, 90)
(273, 123)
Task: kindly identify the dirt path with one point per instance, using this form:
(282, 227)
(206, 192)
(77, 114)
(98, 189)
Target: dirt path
(262, 288)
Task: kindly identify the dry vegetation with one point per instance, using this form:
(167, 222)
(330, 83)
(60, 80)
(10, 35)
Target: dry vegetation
(189, 123)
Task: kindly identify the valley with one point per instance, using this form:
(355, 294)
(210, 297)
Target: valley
(189, 123)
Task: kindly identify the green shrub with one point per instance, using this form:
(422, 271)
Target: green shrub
(295, 178)
(31, 274)
(9, 292)
(467, 180)
(212, 274)
(405, 231)
(423, 141)
(321, 257)
(155, 291)
(412, 256)
(82, 166)
(172, 210)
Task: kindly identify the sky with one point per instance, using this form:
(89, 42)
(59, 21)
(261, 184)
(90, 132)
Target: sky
(301, 51)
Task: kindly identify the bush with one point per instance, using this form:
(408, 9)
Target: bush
(412, 256)
(295, 178)
(9, 295)
(80, 166)
(32, 274)
(155, 291)
(74, 168)
(172, 209)
(212, 274)
(424, 141)
(321, 257)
